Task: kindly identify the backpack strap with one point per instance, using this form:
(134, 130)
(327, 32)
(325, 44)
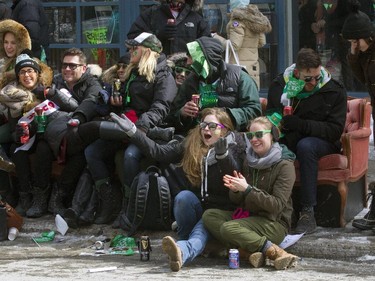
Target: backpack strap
(140, 203)
(165, 200)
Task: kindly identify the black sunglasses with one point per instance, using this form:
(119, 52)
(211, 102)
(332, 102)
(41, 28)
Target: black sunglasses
(308, 79)
(121, 65)
(257, 134)
(179, 69)
(71, 66)
(211, 125)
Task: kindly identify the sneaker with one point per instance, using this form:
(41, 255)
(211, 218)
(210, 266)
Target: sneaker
(173, 251)
(368, 221)
(365, 223)
(306, 223)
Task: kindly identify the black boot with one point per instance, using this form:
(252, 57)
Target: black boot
(56, 205)
(164, 134)
(25, 201)
(5, 163)
(88, 215)
(111, 131)
(40, 202)
(105, 211)
(368, 221)
(81, 198)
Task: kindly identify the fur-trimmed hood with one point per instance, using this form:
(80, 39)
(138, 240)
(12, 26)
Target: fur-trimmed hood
(179, 58)
(21, 33)
(252, 18)
(46, 76)
(110, 74)
(196, 5)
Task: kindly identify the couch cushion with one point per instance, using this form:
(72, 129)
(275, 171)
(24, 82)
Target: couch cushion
(330, 162)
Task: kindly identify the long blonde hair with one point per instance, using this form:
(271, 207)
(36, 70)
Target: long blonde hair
(146, 65)
(195, 149)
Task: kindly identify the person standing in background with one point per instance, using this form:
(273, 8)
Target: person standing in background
(246, 30)
(174, 22)
(360, 32)
(30, 13)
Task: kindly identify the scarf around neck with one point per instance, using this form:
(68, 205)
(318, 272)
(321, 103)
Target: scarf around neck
(273, 156)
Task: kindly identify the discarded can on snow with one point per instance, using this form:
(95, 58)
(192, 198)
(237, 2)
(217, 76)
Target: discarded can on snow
(99, 245)
(234, 259)
(144, 247)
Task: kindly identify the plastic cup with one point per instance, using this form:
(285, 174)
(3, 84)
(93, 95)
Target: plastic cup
(61, 224)
(12, 233)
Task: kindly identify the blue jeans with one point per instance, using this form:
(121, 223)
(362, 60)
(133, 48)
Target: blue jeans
(192, 234)
(132, 159)
(100, 157)
(309, 151)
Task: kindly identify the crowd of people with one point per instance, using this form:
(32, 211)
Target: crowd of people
(235, 162)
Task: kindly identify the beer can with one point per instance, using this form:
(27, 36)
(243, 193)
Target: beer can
(144, 247)
(288, 110)
(195, 98)
(25, 126)
(99, 245)
(234, 259)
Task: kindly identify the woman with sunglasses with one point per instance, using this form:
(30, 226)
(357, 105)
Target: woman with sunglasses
(263, 192)
(211, 150)
(21, 98)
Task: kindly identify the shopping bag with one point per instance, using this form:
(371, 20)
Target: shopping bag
(229, 51)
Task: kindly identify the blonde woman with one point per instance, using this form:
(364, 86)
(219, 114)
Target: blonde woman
(210, 150)
(149, 89)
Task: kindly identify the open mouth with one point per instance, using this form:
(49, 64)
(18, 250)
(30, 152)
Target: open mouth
(207, 136)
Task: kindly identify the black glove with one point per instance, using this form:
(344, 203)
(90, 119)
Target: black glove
(169, 32)
(292, 123)
(39, 92)
(221, 148)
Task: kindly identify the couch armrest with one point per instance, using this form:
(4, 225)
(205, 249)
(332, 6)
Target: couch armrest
(355, 146)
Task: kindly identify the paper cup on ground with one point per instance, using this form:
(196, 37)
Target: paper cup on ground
(61, 225)
(12, 233)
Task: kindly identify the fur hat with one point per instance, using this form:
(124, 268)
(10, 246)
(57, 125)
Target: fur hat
(177, 59)
(357, 24)
(25, 60)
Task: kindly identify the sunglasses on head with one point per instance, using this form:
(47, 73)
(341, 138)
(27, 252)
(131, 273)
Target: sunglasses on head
(179, 69)
(121, 65)
(257, 134)
(71, 66)
(211, 125)
(308, 79)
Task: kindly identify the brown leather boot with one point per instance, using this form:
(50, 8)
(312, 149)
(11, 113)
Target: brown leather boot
(280, 258)
(256, 259)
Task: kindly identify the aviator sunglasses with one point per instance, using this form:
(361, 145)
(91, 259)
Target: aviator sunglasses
(257, 134)
(308, 79)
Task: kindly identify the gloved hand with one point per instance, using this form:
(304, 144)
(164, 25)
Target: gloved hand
(125, 124)
(292, 123)
(49, 92)
(221, 148)
(169, 32)
(39, 91)
(73, 122)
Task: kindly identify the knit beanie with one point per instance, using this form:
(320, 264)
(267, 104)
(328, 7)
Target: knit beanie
(24, 60)
(357, 24)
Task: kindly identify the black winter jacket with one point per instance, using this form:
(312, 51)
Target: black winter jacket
(190, 26)
(324, 112)
(151, 101)
(30, 13)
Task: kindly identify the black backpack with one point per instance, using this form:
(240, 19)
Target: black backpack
(150, 204)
